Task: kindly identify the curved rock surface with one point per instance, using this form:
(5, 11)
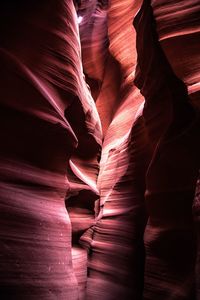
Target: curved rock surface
(47, 114)
(99, 157)
(138, 172)
(170, 243)
(179, 33)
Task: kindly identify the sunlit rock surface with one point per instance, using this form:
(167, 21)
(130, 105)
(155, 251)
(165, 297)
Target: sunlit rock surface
(115, 241)
(91, 213)
(46, 112)
(130, 167)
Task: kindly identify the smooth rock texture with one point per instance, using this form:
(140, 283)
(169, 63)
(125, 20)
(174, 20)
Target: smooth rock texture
(99, 156)
(47, 114)
(170, 235)
(178, 29)
(115, 241)
(170, 129)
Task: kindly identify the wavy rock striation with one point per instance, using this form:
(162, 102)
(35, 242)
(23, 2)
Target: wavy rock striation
(154, 154)
(98, 179)
(169, 237)
(115, 240)
(47, 114)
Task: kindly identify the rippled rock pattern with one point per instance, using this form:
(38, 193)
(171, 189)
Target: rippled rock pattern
(98, 202)
(178, 28)
(47, 114)
(161, 166)
(116, 238)
(169, 238)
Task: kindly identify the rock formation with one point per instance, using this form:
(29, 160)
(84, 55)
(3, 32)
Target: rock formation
(47, 114)
(99, 156)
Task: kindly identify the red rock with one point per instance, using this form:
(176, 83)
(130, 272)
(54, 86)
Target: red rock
(46, 110)
(169, 238)
(78, 221)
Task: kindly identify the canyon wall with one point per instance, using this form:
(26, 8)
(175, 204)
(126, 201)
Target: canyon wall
(150, 157)
(47, 114)
(99, 155)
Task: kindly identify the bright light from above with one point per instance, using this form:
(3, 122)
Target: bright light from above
(80, 18)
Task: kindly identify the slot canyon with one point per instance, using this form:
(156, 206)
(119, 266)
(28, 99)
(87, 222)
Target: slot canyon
(100, 150)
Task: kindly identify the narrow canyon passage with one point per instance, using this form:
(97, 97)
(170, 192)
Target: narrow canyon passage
(100, 150)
